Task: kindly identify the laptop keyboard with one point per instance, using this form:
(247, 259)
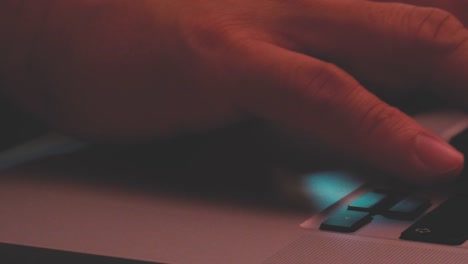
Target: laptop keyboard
(446, 224)
(360, 211)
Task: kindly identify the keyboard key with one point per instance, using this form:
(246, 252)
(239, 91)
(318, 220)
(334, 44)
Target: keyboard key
(407, 209)
(346, 221)
(447, 224)
(368, 202)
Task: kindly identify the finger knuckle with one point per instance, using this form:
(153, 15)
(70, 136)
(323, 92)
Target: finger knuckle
(435, 27)
(325, 85)
(214, 33)
(381, 118)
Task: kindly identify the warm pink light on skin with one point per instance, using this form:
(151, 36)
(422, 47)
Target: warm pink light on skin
(119, 71)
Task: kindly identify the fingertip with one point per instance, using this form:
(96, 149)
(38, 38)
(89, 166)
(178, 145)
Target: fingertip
(438, 161)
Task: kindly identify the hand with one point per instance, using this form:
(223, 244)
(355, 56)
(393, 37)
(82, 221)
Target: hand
(124, 70)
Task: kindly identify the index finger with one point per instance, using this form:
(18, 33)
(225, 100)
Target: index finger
(321, 102)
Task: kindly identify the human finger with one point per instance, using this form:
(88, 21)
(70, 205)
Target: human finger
(321, 101)
(457, 7)
(391, 47)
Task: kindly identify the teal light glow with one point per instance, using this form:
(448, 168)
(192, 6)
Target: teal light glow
(327, 187)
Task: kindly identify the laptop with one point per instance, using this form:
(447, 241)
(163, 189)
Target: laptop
(216, 200)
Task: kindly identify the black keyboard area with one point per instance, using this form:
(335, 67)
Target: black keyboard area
(446, 224)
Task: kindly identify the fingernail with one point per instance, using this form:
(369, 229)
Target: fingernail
(439, 157)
